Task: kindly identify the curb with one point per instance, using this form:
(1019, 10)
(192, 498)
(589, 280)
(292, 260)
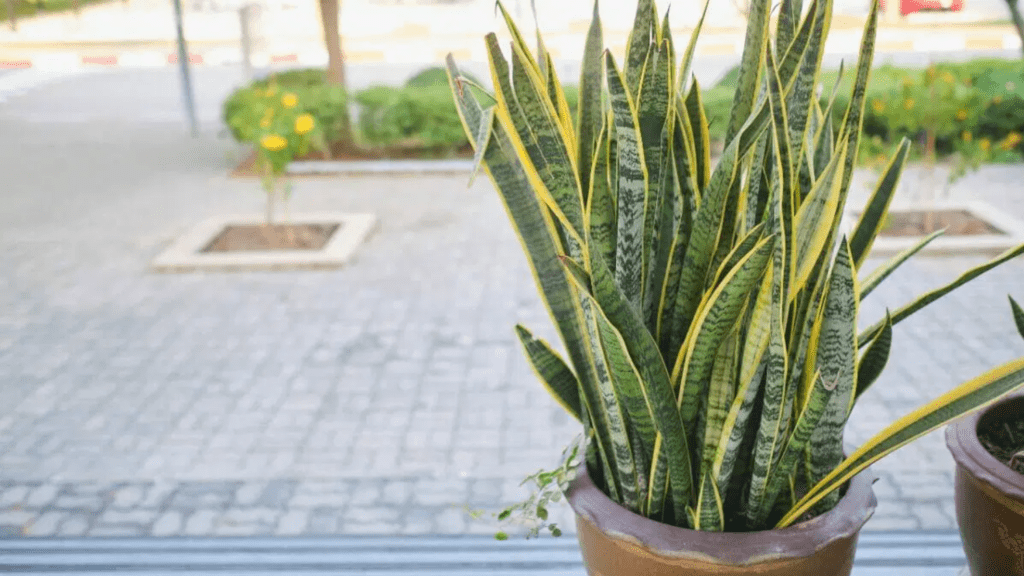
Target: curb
(371, 167)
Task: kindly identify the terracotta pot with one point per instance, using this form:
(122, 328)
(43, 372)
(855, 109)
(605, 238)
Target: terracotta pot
(989, 496)
(617, 542)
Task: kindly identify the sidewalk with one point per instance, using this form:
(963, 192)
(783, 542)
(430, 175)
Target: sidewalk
(141, 33)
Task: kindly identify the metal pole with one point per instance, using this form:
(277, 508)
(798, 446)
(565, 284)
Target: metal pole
(186, 78)
(245, 13)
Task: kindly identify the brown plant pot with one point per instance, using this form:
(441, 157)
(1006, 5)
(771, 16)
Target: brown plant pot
(617, 542)
(989, 496)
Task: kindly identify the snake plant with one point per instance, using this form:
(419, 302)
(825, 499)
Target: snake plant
(708, 309)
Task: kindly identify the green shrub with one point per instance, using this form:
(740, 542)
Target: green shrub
(326, 103)
(414, 117)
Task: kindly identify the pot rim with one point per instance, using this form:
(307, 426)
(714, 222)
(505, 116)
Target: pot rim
(732, 548)
(963, 443)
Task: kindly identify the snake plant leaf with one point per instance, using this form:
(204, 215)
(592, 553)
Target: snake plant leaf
(739, 427)
(483, 137)
(632, 187)
(647, 358)
(801, 97)
(553, 138)
(783, 155)
(750, 66)
(552, 371)
(948, 407)
(799, 439)
(907, 310)
(686, 65)
(602, 213)
(794, 54)
(854, 121)
(836, 357)
(632, 394)
(717, 316)
(876, 277)
(743, 247)
(1018, 315)
(536, 231)
(701, 137)
(758, 183)
(684, 206)
(638, 45)
(709, 515)
(556, 95)
(873, 361)
(789, 19)
(873, 218)
(556, 181)
(517, 38)
(772, 428)
(664, 224)
(816, 219)
(590, 113)
(720, 398)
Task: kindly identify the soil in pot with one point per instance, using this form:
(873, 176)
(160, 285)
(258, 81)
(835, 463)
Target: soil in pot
(923, 223)
(1004, 439)
(243, 238)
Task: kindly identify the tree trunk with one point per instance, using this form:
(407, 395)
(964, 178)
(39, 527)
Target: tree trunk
(329, 11)
(1018, 22)
(12, 16)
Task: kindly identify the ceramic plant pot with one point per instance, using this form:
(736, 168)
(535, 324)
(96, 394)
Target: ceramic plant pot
(616, 542)
(989, 495)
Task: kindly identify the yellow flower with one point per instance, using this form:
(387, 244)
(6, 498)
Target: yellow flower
(966, 136)
(265, 123)
(961, 115)
(949, 78)
(879, 106)
(271, 90)
(908, 104)
(998, 99)
(273, 142)
(303, 124)
(289, 100)
(1011, 141)
(985, 144)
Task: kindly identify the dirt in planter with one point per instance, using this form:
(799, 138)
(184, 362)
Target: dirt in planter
(923, 223)
(1004, 439)
(263, 238)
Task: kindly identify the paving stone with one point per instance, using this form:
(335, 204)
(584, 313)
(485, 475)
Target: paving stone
(139, 516)
(45, 524)
(201, 522)
(168, 524)
(14, 495)
(42, 495)
(73, 526)
(293, 522)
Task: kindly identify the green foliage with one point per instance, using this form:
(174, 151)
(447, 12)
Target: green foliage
(708, 314)
(412, 117)
(419, 115)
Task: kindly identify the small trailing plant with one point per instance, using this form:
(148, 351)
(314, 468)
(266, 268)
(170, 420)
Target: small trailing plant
(284, 130)
(708, 311)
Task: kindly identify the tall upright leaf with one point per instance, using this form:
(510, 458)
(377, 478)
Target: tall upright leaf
(590, 113)
(750, 66)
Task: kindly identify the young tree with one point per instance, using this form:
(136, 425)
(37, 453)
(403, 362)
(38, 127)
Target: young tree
(329, 12)
(1017, 20)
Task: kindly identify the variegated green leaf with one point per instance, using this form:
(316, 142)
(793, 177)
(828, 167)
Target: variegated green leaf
(789, 20)
(590, 115)
(709, 515)
(836, 353)
(647, 358)
(854, 120)
(632, 188)
(721, 394)
(687, 62)
(907, 310)
(717, 316)
(698, 122)
(873, 361)
(602, 213)
(1018, 316)
(806, 426)
(638, 46)
(871, 221)
(552, 371)
(522, 107)
(948, 407)
(801, 95)
(750, 66)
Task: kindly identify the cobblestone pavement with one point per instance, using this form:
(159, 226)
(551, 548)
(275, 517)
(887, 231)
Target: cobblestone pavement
(385, 397)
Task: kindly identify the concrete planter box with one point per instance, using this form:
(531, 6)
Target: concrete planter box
(185, 254)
